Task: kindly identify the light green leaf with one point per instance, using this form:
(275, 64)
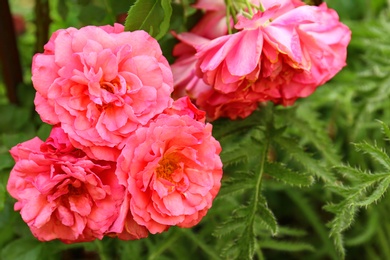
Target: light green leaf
(376, 153)
(152, 16)
(379, 191)
(385, 130)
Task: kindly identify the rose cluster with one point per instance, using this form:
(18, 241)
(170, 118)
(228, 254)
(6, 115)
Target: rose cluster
(122, 159)
(276, 51)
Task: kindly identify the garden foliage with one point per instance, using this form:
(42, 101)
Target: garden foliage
(303, 181)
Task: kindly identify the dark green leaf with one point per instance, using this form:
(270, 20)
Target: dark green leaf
(267, 216)
(282, 173)
(285, 245)
(305, 159)
(152, 16)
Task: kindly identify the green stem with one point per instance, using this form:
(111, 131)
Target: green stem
(258, 182)
(100, 248)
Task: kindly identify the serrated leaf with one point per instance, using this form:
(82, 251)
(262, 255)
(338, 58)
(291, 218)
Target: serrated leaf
(379, 191)
(267, 216)
(376, 153)
(241, 181)
(305, 159)
(308, 122)
(246, 243)
(230, 226)
(385, 129)
(282, 173)
(351, 172)
(152, 16)
(234, 187)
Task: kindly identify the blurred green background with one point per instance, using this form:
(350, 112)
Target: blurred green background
(346, 110)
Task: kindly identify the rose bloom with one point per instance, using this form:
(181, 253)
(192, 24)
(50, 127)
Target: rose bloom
(172, 170)
(100, 83)
(61, 193)
(279, 55)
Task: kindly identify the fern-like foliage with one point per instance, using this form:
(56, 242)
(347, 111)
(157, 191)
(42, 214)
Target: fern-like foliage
(246, 144)
(363, 189)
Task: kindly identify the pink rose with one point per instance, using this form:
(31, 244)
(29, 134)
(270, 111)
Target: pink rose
(172, 171)
(100, 83)
(61, 193)
(281, 54)
(183, 106)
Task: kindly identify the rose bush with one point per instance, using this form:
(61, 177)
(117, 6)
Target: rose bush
(61, 193)
(100, 83)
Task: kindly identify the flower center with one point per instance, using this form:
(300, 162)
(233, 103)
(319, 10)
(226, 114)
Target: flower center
(166, 167)
(110, 86)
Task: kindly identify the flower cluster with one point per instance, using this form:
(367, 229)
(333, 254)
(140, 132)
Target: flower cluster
(123, 159)
(279, 51)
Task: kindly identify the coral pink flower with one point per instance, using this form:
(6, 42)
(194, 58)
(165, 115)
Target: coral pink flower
(183, 106)
(281, 54)
(100, 83)
(172, 171)
(61, 193)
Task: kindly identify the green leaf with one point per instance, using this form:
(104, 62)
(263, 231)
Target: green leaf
(376, 153)
(247, 243)
(305, 159)
(282, 173)
(22, 249)
(285, 245)
(231, 225)
(152, 16)
(237, 182)
(385, 130)
(378, 191)
(267, 216)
